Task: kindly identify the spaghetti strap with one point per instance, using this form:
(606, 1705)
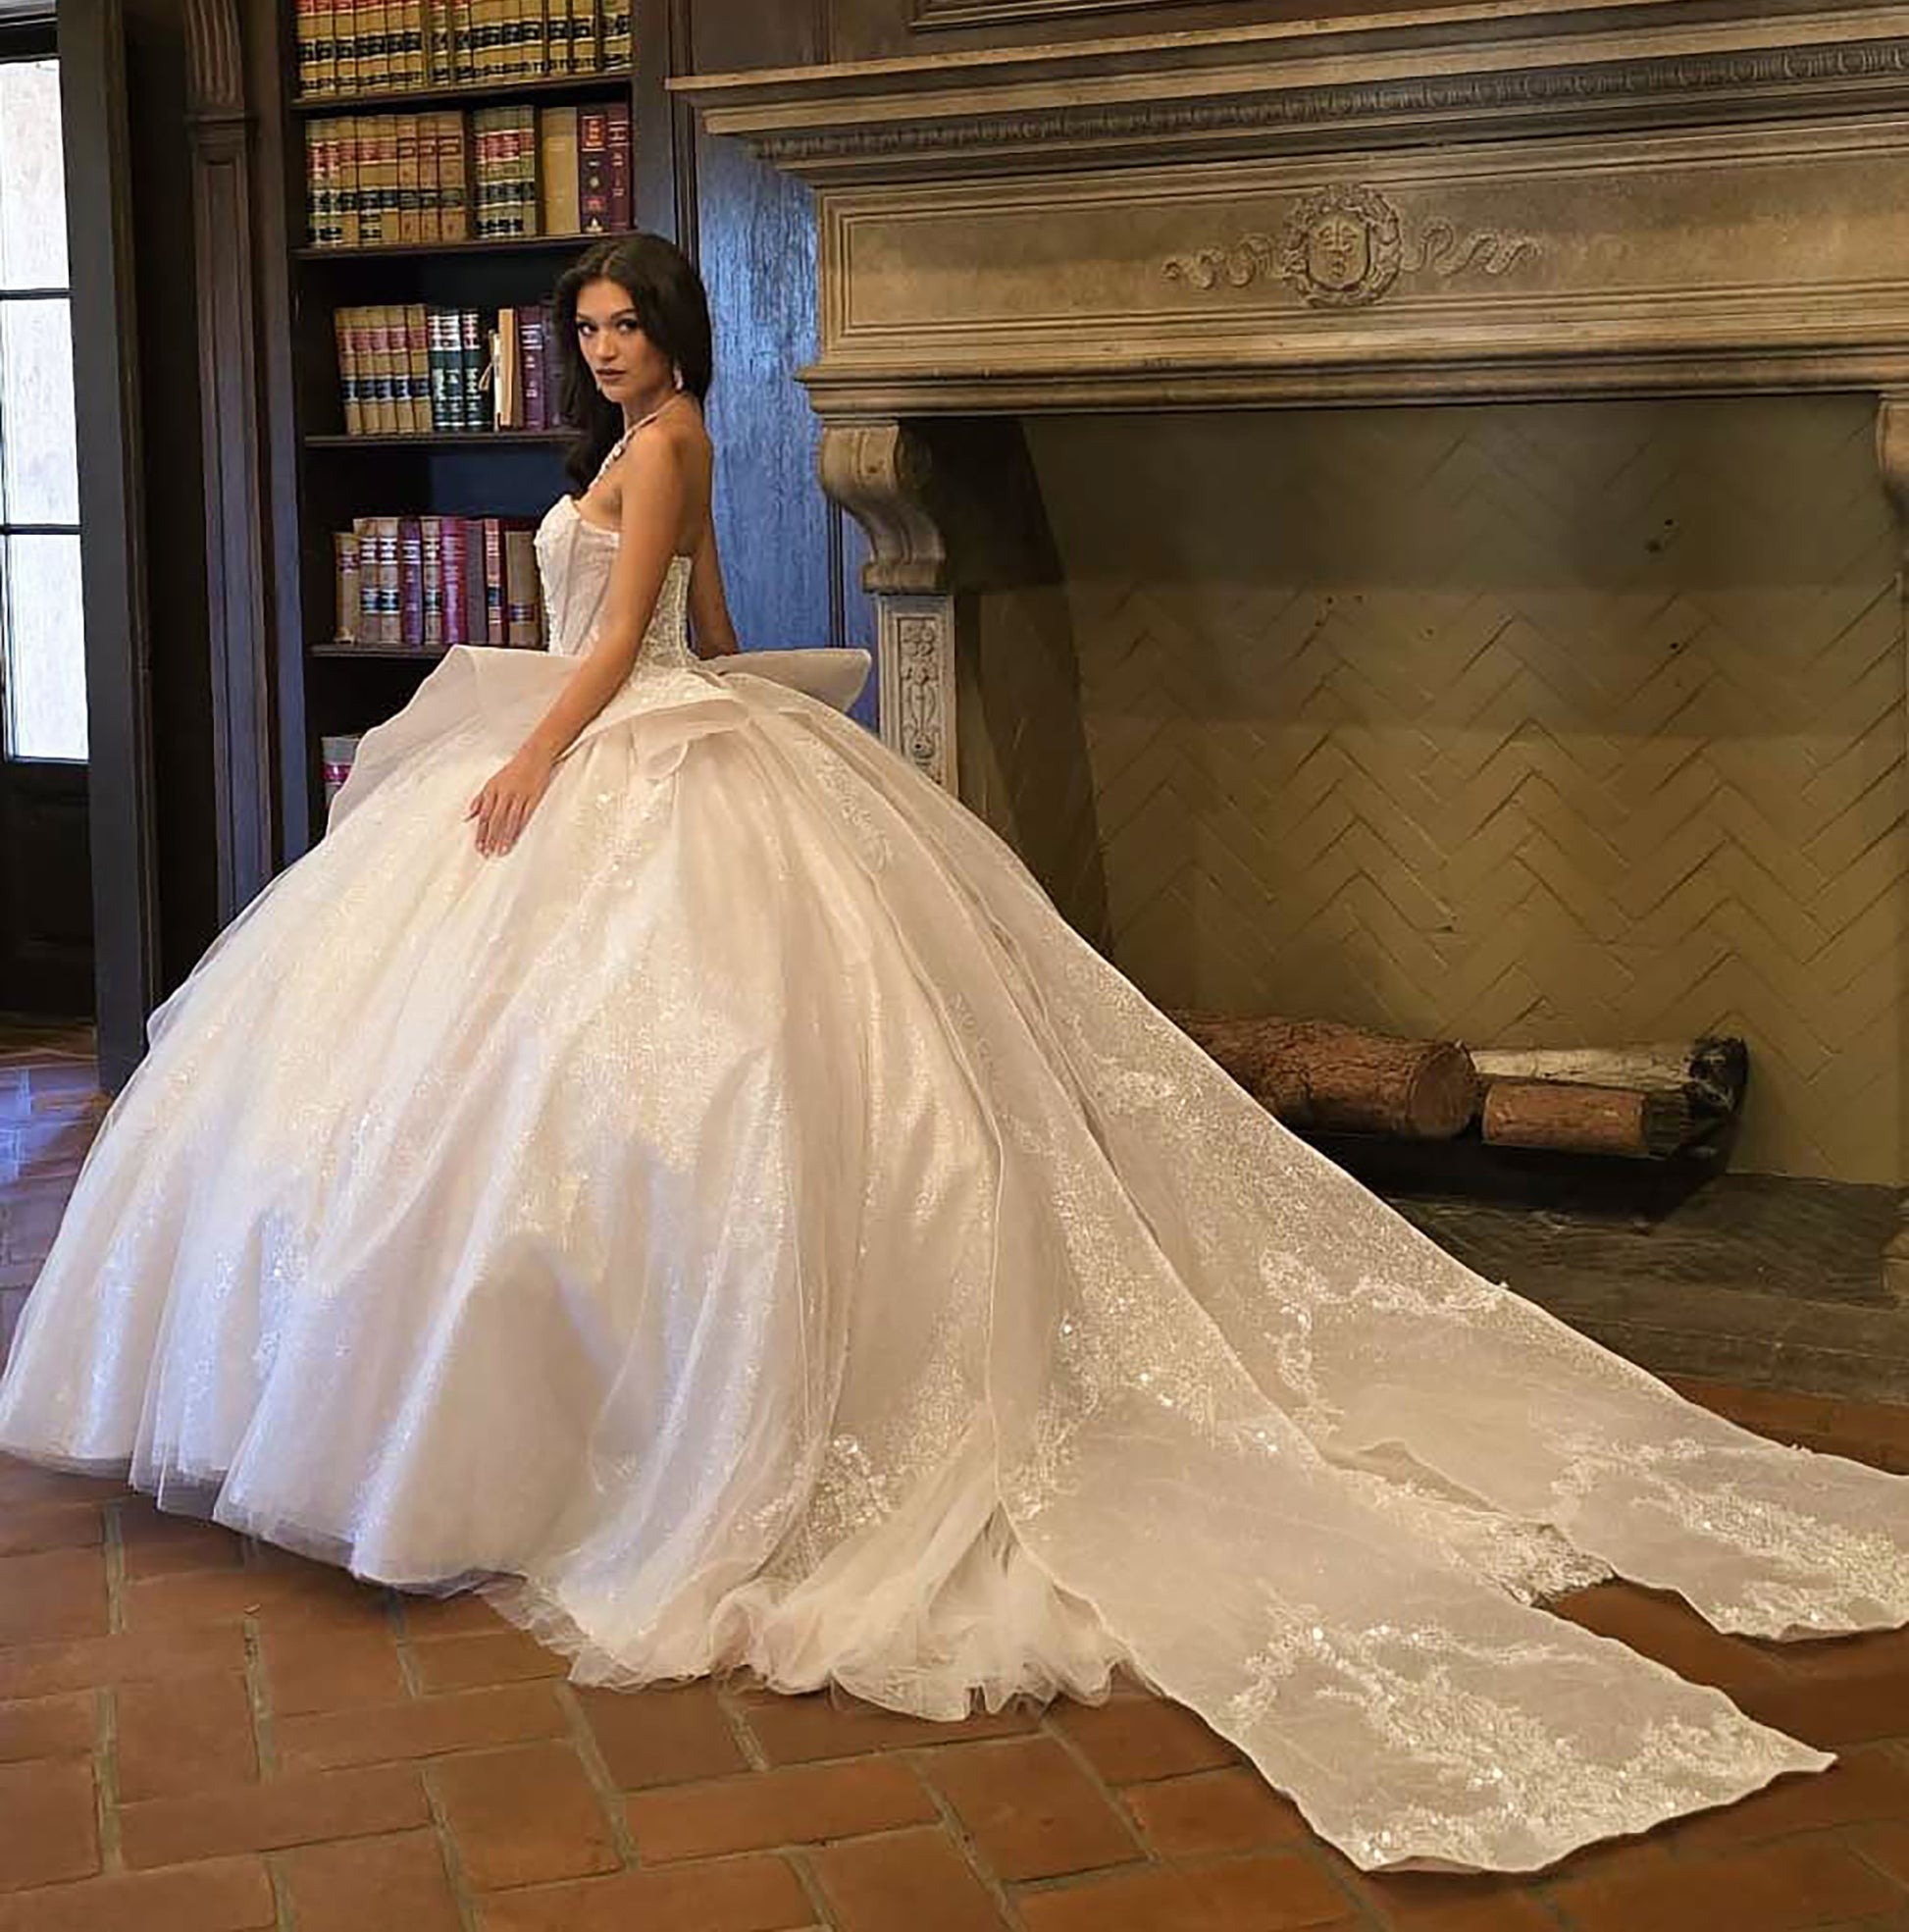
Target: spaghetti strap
(623, 441)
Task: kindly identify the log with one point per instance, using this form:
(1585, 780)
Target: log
(1710, 1073)
(1339, 1079)
(1562, 1116)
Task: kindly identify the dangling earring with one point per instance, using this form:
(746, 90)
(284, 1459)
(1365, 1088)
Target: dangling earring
(677, 371)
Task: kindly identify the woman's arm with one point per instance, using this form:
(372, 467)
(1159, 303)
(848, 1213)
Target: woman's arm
(715, 631)
(654, 491)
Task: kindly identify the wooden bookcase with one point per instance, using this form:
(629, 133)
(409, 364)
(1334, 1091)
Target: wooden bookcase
(514, 473)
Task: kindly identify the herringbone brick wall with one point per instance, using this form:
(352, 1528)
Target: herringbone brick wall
(1537, 723)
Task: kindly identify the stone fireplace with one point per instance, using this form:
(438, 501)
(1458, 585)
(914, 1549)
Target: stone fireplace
(1569, 707)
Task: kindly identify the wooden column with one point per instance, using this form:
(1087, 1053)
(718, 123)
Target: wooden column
(665, 182)
(220, 133)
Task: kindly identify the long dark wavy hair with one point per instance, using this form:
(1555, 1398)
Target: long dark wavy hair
(673, 311)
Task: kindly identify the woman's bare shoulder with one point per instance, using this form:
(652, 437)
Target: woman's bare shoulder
(684, 443)
(685, 430)
(676, 438)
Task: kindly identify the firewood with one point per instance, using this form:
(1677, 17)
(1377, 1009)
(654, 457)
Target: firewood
(1569, 1118)
(1319, 1074)
(1710, 1073)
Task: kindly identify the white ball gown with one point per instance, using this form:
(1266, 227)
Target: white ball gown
(745, 1226)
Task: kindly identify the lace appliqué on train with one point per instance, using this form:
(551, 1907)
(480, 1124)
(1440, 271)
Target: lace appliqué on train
(1811, 1573)
(1449, 1707)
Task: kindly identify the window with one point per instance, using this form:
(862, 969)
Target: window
(42, 638)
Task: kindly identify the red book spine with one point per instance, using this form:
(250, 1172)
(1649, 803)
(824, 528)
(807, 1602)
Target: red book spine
(621, 213)
(503, 166)
(532, 327)
(454, 562)
(593, 169)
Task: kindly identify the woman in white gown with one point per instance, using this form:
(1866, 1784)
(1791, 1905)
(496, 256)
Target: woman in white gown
(661, 1160)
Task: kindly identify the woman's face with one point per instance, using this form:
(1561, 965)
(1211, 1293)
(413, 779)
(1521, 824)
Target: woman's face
(626, 363)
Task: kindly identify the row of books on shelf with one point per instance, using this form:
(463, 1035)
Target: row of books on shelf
(356, 46)
(389, 180)
(427, 583)
(411, 369)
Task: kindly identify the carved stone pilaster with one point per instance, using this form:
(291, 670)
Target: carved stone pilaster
(220, 133)
(1892, 460)
(917, 649)
(882, 474)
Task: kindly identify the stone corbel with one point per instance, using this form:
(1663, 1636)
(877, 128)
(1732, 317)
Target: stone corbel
(1892, 461)
(883, 474)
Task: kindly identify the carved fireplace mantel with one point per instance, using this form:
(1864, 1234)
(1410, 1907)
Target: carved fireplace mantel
(1524, 199)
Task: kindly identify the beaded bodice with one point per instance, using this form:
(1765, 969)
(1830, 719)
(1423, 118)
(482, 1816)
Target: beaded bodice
(574, 557)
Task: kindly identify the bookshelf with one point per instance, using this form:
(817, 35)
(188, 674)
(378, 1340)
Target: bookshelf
(532, 245)
(453, 93)
(484, 440)
(443, 471)
(372, 654)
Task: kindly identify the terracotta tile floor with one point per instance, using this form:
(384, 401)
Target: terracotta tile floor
(203, 1735)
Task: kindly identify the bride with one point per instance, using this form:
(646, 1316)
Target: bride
(661, 1161)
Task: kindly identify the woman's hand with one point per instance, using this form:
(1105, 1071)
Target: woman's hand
(503, 807)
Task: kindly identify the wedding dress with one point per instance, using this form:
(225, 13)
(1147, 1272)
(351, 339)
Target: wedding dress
(745, 1226)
